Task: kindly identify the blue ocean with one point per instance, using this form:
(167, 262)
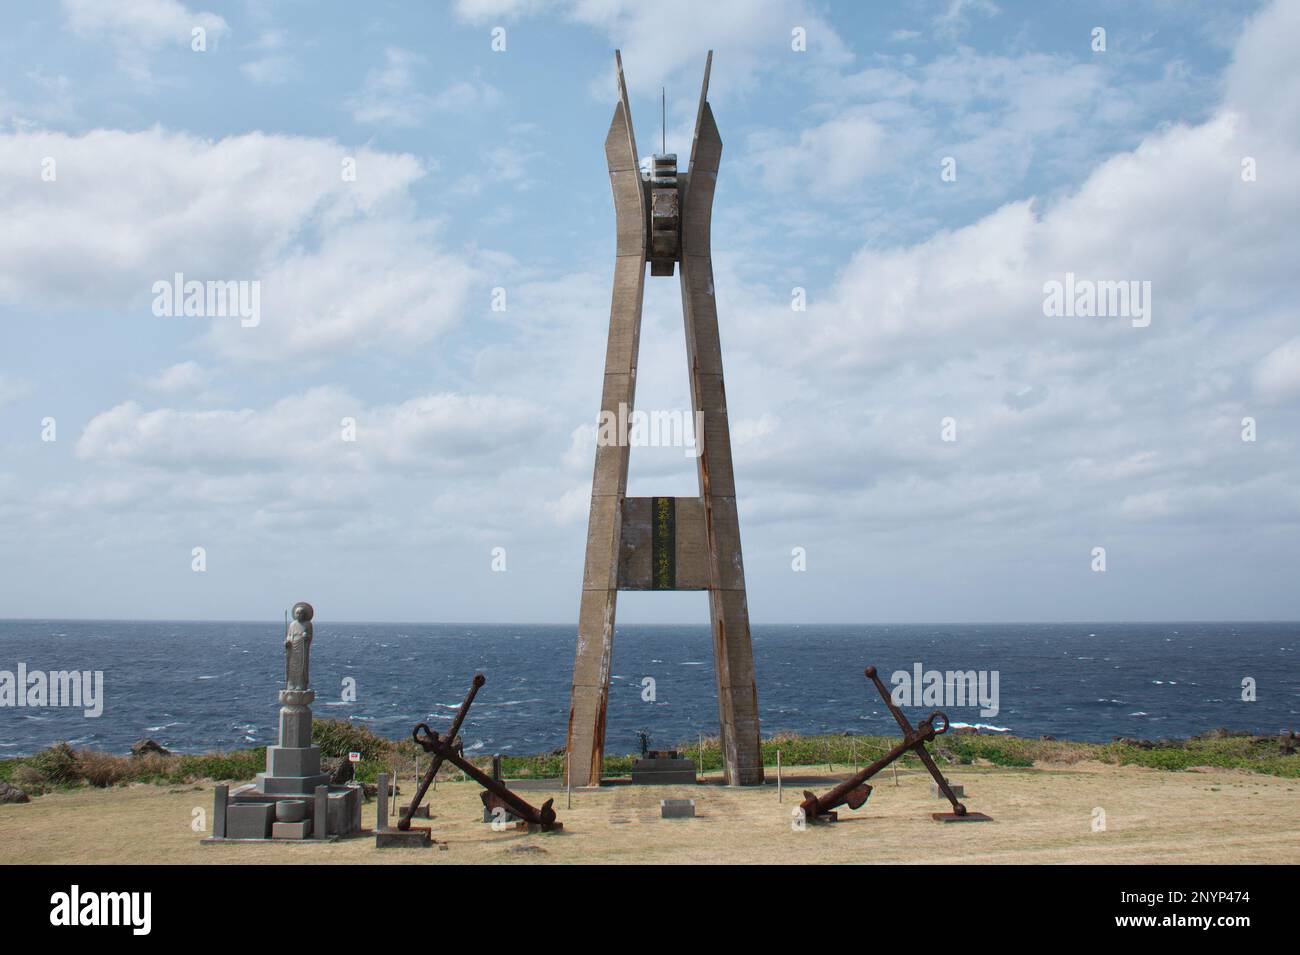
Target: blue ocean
(196, 687)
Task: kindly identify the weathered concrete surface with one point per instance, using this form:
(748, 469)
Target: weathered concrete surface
(586, 736)
(732, 649)
(630, 545)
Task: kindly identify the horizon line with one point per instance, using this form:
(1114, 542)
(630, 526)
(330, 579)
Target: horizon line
(705, 624)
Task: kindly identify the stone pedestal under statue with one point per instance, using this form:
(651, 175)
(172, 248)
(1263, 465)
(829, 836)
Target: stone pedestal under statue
(292, 799)
(293, 766)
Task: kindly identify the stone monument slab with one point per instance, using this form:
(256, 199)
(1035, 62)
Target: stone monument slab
(290, 830)
(663, 772)
(249, 820)
(676, 808)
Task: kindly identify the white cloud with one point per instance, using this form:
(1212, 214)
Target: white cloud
(571, 507)
(1064, 424)
(1149, 215)
(1071, 432)
(53, 100)
(1278, 374)
(149, 24)
(341, 263)
(749, 36)
(1262, 79)
(827, 159)
(12, 390)
(438, 467)
(445, 432)
(137, 28)
(486, 11)
(268, 70)
(955, 18)
(274, 64)
(1001, 118)
(391, 94)
(372, 285)
(183, 376)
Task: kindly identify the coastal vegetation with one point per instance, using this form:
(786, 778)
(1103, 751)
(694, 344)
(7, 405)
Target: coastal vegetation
(62, 767)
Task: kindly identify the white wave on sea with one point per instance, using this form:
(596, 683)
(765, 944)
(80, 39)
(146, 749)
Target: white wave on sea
(982, 727)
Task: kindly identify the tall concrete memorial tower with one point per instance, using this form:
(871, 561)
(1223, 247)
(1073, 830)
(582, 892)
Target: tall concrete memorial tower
(664, 543)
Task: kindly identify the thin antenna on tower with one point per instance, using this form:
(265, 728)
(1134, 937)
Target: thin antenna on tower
(663, 120)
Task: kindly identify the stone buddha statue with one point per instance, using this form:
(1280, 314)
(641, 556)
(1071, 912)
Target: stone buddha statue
(297, 648)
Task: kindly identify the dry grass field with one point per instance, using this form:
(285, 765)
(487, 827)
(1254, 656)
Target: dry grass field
(1041, 815)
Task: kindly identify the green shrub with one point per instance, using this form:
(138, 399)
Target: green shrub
(236, 766)
(60, 766)
(337, 738)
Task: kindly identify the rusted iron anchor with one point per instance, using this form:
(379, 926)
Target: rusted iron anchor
(436, 763)
(853, 792)
(449, 749)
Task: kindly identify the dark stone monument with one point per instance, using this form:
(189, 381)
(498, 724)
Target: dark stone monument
(661, 767)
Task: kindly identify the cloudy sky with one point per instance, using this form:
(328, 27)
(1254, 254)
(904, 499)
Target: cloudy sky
(128, 438)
